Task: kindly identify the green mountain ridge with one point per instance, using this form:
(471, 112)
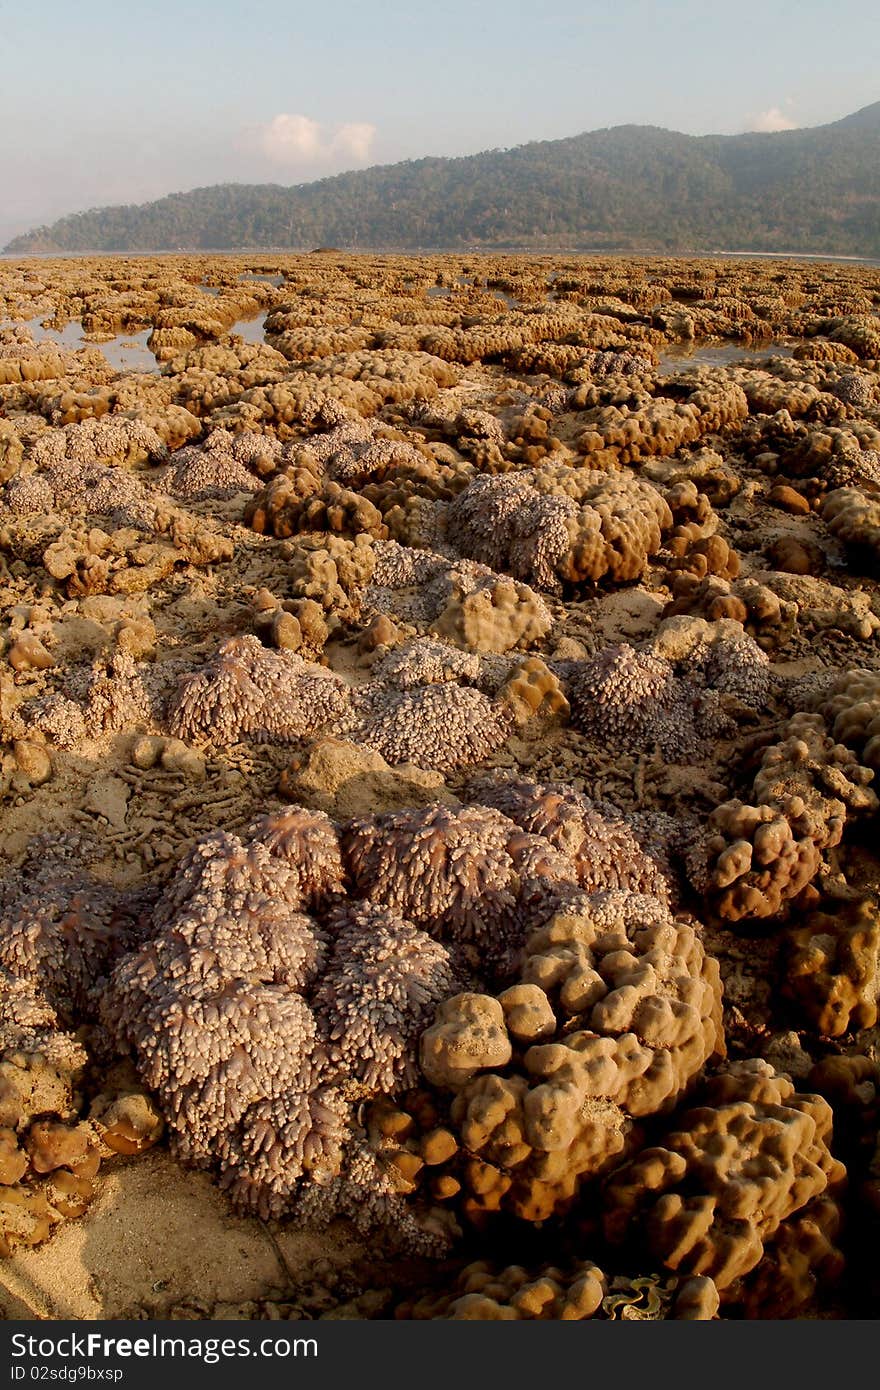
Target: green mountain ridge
(634, 187)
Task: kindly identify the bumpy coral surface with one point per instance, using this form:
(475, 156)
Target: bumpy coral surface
(723, 1184)
(486, 1294)
(616, 1009)
(833, 971)
(249, 691)
(756, 856)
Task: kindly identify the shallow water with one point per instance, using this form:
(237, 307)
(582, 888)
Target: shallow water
(253, 329)
(127, 352)
(680, 357)
(276, 280)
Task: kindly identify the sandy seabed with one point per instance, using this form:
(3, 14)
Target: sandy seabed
(440, 711)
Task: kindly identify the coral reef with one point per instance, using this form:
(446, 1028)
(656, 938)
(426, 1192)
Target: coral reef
(423, 680)
(671, 695)
(482, 1293)
(617, 1008)
(833, 968)
(542, 533)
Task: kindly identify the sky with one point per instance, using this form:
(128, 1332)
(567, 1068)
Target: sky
(106, 102)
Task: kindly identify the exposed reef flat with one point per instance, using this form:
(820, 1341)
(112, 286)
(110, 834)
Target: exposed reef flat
(440, 736)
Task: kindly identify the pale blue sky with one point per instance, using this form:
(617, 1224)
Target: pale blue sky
(103, 101)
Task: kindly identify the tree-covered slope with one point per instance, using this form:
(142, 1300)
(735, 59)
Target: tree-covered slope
(637, 186)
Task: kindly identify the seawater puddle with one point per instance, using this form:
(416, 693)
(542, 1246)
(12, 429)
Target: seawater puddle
(679, 358)
(127, 352)
(446, 291)
(276, 280)
(252, 330)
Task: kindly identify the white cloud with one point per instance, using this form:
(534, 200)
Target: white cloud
(355, 139)
(291, 138)
(771, 120)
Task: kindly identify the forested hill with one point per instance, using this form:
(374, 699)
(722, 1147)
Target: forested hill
(638, 187)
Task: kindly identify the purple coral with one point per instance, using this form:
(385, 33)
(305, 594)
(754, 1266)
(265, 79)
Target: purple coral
(634, 699)
(212, 1004)
(301, 1132)
(426, 662)
(442, 727)
(61, 929)
(307, 845)
(504, 522)
(248, 691)
(446, 869)
(112, 438)
(380, 990)
(214, 471)
(604, 851)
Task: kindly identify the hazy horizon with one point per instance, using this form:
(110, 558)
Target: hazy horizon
(134, 107)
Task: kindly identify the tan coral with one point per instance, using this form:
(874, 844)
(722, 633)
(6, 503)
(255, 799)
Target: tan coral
(281, 511)
(833, 967)
(715, 1193)
(756, 857)
(852, 708)
(766, 617)
(468, 1035)
(630, 1013)
(332, 571)
(533, 691)
(854, 516)
(493, 617)
(483, 1292)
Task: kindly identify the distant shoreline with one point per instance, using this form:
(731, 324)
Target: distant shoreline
(818, 256)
